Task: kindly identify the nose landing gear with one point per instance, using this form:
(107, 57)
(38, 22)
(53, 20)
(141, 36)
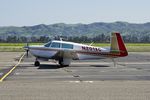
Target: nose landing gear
(36, 63)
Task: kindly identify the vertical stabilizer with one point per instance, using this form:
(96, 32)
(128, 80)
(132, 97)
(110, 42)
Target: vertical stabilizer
(117, 45)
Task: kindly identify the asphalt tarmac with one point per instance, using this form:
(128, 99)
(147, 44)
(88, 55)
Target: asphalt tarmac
(83, 80)
(134, 67)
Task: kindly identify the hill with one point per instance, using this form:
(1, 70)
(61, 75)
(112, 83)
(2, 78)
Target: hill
(97, 32)
(89, 30)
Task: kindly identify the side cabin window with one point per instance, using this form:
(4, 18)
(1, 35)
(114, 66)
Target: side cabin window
(55, 45)
(68, 46)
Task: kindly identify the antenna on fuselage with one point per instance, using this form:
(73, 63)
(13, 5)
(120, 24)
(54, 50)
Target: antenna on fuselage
(61, 39)
(91, 44)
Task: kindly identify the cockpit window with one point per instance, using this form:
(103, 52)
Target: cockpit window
(47, 44)
(69, 46)
(58, 45)
(55, 45)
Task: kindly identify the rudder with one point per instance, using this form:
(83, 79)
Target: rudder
(117, 45)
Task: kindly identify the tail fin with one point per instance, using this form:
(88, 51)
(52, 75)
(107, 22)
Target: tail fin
(117, 45)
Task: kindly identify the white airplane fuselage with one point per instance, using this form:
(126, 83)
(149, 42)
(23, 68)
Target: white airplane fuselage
(82, 51)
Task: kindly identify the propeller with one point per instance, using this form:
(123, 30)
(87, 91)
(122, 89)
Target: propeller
(27, 49)
(91, 44)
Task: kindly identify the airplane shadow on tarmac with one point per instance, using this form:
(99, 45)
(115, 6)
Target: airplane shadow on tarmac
(49, 66)
(53, 66)
(99, 65)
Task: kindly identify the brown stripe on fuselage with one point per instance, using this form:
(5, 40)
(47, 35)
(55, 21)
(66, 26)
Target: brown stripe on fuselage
(109, 54)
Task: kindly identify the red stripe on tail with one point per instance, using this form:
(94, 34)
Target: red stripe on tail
(122, 48)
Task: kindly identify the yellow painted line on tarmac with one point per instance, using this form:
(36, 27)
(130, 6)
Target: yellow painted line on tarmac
(1, 79)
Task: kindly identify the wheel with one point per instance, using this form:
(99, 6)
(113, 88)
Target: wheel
(64, 65)
(36, 63)
(60, 61)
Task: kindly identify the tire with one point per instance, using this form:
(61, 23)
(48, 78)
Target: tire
(36, 63)
(60, 61)
(64, 65)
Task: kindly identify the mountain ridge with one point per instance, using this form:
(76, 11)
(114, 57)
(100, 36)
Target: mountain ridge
(79, 29)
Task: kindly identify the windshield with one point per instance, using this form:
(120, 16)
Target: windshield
(55, 45)
(47, 44)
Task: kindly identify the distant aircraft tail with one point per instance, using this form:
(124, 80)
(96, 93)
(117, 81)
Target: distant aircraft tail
(117, 45)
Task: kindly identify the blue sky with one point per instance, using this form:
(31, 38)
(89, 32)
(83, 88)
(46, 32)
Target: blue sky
(33, 12)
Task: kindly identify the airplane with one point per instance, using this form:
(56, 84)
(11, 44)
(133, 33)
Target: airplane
(64, 52)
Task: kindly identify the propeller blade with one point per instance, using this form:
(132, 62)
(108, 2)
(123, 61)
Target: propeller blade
(27, 49)
(27, 52)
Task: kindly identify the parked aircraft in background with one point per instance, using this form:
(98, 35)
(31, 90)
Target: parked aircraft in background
(64, 52)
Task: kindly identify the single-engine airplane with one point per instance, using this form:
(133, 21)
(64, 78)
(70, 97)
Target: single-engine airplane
(64, 52)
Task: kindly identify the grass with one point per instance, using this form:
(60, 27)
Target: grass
(138, 47)
(18, 44)
(132, 47)
(14, 47)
